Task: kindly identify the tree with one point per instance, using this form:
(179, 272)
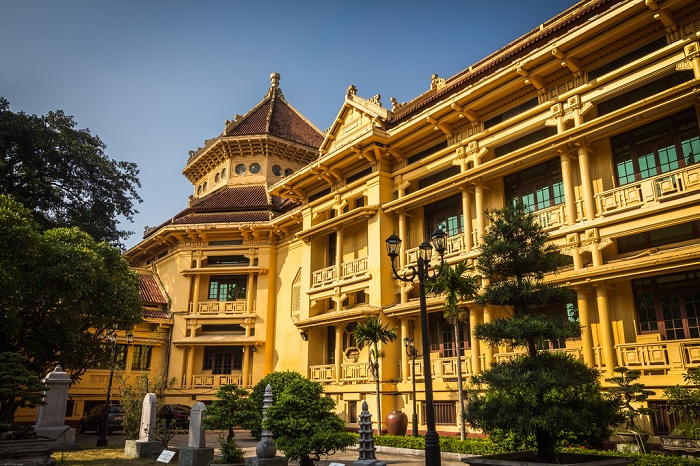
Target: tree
(370, 332)
(456, 287)
(304, 424)
(66, 290)
(63, 175)
(19, 387)
(278, 381)
(542, 395)
(232, 408)
(630, 391)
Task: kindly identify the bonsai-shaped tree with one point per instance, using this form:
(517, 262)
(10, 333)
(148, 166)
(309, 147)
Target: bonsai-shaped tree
(278, 381)
(629, 391)
(19, 387)
(232, 408)
(455, 286)
(540, 395)
(371, 332)
(304, 424)
(685, 403)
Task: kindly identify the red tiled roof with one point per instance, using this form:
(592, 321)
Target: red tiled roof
(153, 314)
(276, 117)
(221, 217)
(150, 290)
(232, 198)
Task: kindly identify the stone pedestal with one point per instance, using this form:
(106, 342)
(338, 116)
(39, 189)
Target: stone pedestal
(51, 418)
(32, 452)
(196, 456)
(142, 449)
(276, 461)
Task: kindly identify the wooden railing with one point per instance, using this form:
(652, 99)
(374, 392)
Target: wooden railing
(329, 275)
(324, 276)
(220, 308)
(661, 355)
(350, 372)
(354, 268)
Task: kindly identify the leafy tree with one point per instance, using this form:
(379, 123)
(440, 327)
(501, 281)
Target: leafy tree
(19, 387)
(685, 404)
(63, 175)
(371, 332)
(304, 424)
(232, 408)
(278, 381)
(629, 391)
(542, 395)
(66, 290)
(456, 287)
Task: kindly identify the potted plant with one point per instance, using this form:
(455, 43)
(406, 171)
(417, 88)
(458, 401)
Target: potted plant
(685, 405)
(629, 391)
(542, 397)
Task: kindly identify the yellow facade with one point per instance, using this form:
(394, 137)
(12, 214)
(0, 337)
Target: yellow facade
(591, 119)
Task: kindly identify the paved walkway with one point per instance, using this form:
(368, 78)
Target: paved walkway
(247, 443)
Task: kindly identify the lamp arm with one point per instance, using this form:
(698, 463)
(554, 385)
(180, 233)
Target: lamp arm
(429, 277)
(406, 277)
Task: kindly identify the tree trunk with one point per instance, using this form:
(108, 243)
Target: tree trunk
(379, 410)
(545, 447)
(460, 383)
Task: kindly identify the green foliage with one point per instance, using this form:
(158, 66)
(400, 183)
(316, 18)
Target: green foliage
(304, 424)
(524, 330)
(230, 451)
(164, 432)
(65, 292)
(278, 381)
(19, 387)
(629, 391)
(63, 175)
(653, 458)
(469, 446)
(231, 408)
(371, 332)
(685, 403)
(131, 394)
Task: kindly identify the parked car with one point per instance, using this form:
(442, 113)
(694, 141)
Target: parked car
(177, 415)
(91, 421)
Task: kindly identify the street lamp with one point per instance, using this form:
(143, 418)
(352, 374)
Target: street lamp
(412, 353)
(111, 337)
(421, 271)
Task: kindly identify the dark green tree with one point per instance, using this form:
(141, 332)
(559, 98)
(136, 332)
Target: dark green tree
(231, 408)
(19, 387)
(304, 424)
(278, 381)
(456, 285)
(541, 395)
(63, 175)
(371, 332)
(629, 391)
(66, 290)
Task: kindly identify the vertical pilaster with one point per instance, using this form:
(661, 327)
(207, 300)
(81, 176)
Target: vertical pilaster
(467, 210)
(480, 215)
(475, 344)
(338, 352)
(584, 315)
(488, 350)
(247, 353)
(607, 340)
(190, 364)
(586, 182)
(271, 308)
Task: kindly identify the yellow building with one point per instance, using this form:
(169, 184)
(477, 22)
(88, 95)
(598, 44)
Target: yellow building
(591, 119)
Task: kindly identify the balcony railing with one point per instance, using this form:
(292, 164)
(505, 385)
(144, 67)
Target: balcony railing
(350, 372)
(651, 190)
(445, 368)
(228, 308)
(661, 355)
(328, 275)
(206, 381)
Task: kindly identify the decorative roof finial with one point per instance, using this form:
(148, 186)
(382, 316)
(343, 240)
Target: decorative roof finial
(275, 80)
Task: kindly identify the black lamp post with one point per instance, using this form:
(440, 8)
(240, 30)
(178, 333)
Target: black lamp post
(412, 352)
(421, 271)
(111, 337)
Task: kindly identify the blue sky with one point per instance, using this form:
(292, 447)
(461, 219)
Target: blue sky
(154, 79)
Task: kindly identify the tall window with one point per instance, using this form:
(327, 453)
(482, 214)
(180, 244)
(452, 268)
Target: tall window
(222, 359)
(332, 244)
(445, 214)
(330, 347)
(659, 147)
(228, 287)
(669, 305)
(141, 359)
(442, 335)
(537, 187)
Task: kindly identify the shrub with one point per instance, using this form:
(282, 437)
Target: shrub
(277, 381)
(230, 451)
(231, 408)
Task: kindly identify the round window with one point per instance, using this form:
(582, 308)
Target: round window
(254, 168)
(288, 172)
(240, 169)
(276, 170)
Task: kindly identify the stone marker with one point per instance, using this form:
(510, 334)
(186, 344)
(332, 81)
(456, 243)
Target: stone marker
(366, 443)
(51, 419)
(145, 446)
(196, 452)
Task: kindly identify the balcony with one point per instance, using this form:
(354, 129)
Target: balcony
(652, 190)
(329, 275)
(456, 244)
(220, 308)
(661, 355)
(445, 368)
(351, 372)
(215, 381)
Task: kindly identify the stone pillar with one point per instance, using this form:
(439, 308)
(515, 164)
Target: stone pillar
(190, 364)
(338, 352)
(50, 420)
(468, 226)
(586, 182)
(607, 339)
(480, 215)
(196, 452)
(365, 445)
(247, 354)
(475, 344)
(146, 446)
(266, 450)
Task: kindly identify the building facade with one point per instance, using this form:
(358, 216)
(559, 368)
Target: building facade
(591, 120)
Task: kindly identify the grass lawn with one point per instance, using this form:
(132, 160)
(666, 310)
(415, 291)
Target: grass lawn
(92, 456)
